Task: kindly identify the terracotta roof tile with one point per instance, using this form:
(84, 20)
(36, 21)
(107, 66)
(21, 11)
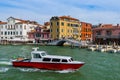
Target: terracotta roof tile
(3, 22)
(68, 17)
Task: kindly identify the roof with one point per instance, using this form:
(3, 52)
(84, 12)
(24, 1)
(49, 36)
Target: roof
(51, 56)
(25, 21)
(37, 52)
(106, 26)
(3, 22)
(68, 17)
(58, 57)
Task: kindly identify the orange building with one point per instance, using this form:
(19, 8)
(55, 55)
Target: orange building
(86, 31)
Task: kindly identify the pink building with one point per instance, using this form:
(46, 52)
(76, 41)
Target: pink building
(40, 34)
(106, 34)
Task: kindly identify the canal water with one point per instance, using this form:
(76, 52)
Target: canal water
(99, 66)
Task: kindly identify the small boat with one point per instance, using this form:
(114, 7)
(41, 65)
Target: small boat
(41, 60)
(93, 48)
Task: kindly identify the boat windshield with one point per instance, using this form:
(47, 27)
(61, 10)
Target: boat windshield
(43, 54)
(71, 59)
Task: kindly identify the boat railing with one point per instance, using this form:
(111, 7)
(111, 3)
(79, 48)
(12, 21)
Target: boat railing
(35, 49)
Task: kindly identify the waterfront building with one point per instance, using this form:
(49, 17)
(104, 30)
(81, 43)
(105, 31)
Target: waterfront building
(106, 34)
(65, 27)
(47, 25)
(16, 30)
(40, 34)
(86, 31)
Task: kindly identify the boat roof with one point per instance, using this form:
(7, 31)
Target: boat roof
(58, 57)
(38, 52)
(51, 56)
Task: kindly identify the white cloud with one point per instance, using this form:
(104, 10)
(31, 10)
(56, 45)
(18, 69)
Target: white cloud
(92, 11)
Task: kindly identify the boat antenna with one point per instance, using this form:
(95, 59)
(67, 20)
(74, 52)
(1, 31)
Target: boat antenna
(35, 49)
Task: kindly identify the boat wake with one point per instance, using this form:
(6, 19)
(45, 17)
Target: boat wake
(42, 70)
(66, 71)
(28, 69)
(3, 69)
(5, 62)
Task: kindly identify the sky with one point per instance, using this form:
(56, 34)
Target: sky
(90, 11)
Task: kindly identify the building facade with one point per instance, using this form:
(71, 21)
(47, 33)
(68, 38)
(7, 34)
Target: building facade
(65, 27)
(40, 35)
(106, 34)
(16, 29)
(86, 31)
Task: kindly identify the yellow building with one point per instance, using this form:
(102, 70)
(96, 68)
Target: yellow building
(65, 27)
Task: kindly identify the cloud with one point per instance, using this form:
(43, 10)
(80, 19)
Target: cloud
(92, 11)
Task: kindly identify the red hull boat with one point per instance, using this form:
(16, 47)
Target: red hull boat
(41, 60)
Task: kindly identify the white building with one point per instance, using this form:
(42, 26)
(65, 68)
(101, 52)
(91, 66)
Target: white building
(16, 29)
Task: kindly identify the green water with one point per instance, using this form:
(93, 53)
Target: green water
(99, 66)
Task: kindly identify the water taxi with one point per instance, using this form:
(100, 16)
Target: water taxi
(41, 60)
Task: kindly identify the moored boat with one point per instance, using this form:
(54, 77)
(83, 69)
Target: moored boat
(41, 60)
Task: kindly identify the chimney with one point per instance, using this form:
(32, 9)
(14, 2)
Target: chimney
(117, 25)
(100, 25)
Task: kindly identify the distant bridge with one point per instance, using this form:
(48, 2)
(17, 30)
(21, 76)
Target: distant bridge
(70, 41)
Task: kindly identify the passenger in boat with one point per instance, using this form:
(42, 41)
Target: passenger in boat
(20, 58)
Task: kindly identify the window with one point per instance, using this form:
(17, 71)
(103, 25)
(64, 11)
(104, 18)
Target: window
(11, 32)
(16, 33)
(98, 32)
(64, 60)
(57, 30)
(55, 60)
(71, 59)
(108, 33)
(51, 24)
(20, 26)
(68, 24)
(36, 56)
(46, 59)
(6, 27)
(62, 23)
(38, 35)
(5, 33)
(20, 32)
(1, 33)
(43, 54)
(57, 23)
(16, 26)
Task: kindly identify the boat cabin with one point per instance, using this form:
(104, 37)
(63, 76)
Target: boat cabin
(42, 56)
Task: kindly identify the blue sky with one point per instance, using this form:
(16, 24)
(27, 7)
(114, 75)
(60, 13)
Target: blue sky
(91, 11)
